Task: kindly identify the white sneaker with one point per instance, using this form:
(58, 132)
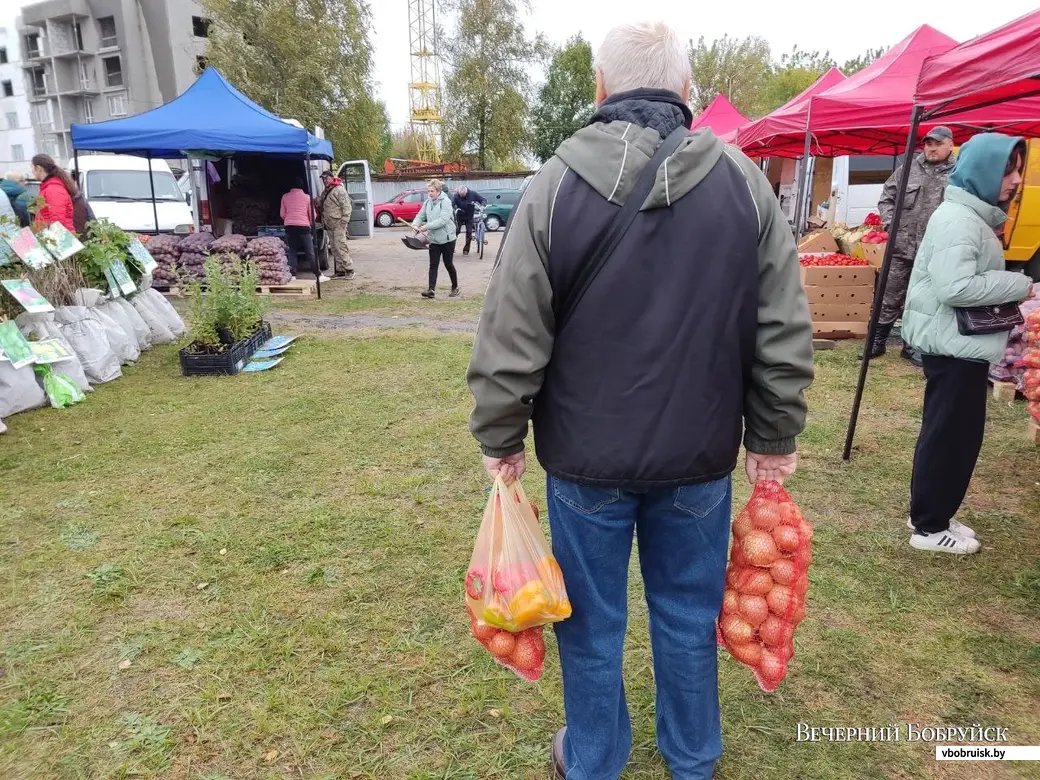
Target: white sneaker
(946, 542)
(324, 278)
(955, 526)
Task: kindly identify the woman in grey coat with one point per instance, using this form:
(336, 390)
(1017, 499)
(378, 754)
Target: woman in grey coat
(437, 221)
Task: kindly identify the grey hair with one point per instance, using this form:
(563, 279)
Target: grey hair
(16, 176)
(437, 184)
(645, 55)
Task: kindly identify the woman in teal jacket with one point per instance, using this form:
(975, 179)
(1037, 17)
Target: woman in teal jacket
(960, 264)
(437, 221)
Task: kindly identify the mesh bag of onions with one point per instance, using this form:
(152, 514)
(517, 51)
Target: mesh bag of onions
(234, 243)
(1030, 384)
(766, 582)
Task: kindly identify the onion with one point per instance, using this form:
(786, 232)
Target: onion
(742, 524)
(787, 538)
(753, 582)
(736, 630)
(780, 600)
(774, 632)
(759, 548)
(772, 667)
(784, 572)
(765, 515)
(749, 653)
(730, 602)
(753, 609)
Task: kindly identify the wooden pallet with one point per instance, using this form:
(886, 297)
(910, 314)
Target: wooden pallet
(840, 330)
(1034, 431)
(304, 289)
(1005, 391)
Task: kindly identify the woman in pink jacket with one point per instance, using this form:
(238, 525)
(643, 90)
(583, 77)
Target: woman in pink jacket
(297, 214)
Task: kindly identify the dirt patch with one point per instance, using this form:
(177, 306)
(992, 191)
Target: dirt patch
(362, 321)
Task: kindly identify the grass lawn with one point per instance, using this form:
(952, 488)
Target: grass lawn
(261, 577)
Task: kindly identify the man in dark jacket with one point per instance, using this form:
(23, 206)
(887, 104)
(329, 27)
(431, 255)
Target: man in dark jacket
(924, 192)
(695, 331)
(464, 201)
(12, 187)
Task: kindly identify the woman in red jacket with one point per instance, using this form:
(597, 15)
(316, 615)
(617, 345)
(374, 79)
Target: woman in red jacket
(57, 190)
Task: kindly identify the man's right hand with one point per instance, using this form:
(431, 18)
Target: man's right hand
(765, 468)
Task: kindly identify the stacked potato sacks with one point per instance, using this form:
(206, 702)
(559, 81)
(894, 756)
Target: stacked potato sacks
(268, 256)
(192, 252)
(229, 250)
(164, 249)
(1031, 362)
(766, 583)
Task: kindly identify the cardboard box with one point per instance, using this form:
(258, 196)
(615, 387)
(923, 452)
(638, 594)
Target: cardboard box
(874, 253)
(840, 330)
(820, 242)
(840, 312)
(838, 276)
(862, 295)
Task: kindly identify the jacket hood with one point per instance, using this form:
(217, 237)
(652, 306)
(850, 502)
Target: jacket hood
(11, 188)
(609, 154)
(980, 166)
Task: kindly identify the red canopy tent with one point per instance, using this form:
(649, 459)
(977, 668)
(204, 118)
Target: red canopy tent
(869, 112)
(996, 75)
(755, 138)
(721, 116)
(1003, 65)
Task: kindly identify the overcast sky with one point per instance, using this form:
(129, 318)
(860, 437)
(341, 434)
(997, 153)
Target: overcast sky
(845, 27)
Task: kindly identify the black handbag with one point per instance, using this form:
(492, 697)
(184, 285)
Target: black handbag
(982, 320)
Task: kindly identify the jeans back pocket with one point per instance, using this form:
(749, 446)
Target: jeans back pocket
(702, 499)
(586, 499)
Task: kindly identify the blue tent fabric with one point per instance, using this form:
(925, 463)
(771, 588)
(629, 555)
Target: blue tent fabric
(212, 116)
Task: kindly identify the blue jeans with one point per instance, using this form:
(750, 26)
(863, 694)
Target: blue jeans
(683, 535)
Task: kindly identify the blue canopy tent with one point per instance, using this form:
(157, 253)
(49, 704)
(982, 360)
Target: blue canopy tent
(210, 116)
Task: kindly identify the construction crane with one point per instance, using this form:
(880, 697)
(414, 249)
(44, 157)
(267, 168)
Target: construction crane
(424, 90)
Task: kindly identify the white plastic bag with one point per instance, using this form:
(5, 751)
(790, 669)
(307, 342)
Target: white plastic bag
(41, 327)
(135, 320)
(19, 390)
(160, 333)
(165, 311)
(122, 340)
(86, 336)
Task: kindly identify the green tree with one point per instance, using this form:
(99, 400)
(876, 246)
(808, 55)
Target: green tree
(857, 64)
(792, 75)
(737, 68)
(486, 107)
(566, 99)
(308, 60)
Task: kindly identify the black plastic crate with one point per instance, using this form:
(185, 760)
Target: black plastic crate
(229, 362)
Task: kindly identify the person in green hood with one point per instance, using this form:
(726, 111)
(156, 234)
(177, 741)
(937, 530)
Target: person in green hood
(12, 187)
(960, 264)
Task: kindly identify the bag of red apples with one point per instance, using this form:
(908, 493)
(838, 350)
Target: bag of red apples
(766, 582)
(514, 585)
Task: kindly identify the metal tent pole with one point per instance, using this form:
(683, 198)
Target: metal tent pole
(799, 209)
(879, 292)
(151, 182)
(314, 231)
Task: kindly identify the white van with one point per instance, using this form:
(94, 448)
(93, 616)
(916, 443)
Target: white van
(117, 188)
(859, 181)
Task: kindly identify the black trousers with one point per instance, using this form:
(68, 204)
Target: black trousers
(445, 252)
(460, 223)
(952, 428)
(300, 240)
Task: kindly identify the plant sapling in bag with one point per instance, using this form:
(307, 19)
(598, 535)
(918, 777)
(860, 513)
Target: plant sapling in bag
(766, 582)
(514, 585)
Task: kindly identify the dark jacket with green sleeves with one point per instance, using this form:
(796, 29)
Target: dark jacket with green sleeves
(697, 326)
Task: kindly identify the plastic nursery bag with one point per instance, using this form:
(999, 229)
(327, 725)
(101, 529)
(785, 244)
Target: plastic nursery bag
(514, 586)
(766, 582)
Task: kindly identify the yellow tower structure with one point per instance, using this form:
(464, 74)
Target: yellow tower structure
(424, 90)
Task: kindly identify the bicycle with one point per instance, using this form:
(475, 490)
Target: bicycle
(479, 229)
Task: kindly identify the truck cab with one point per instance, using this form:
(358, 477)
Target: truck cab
(117, 188)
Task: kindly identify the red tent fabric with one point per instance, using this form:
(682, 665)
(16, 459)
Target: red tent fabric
(721, 116)
(999, 66)
(869, 112)
(754, 138)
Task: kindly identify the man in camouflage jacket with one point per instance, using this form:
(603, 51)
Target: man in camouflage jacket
(924, 193)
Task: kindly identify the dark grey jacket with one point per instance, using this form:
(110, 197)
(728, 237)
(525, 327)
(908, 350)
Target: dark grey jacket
(697, 324)
(924, 193)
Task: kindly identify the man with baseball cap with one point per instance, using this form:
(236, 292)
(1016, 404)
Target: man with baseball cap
(924, 193)
(334, 207)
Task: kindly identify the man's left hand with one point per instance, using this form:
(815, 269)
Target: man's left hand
(763, 468)
(509, 468)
